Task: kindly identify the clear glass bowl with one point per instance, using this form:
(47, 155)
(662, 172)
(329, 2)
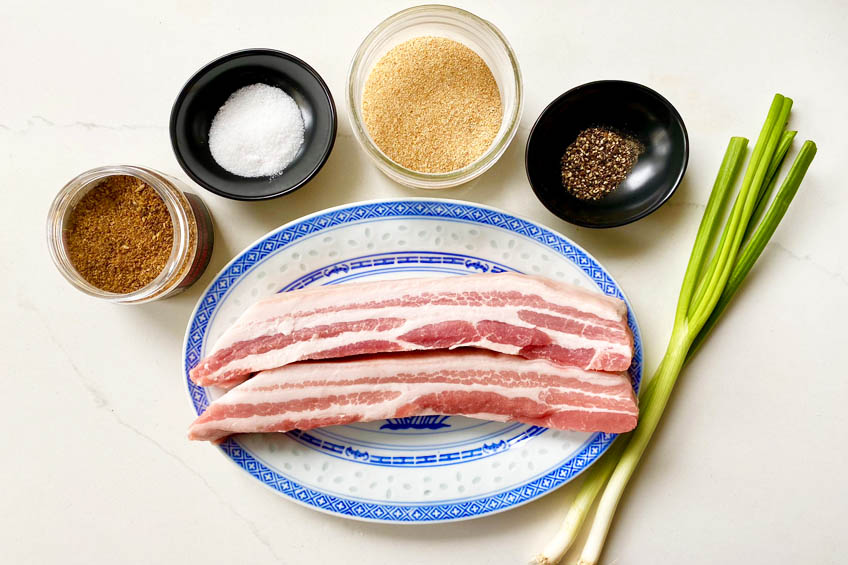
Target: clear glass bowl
(191, 220)
(440, 21)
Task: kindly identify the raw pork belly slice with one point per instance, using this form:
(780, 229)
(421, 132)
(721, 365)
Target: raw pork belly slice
(470, 382)
(533, 317)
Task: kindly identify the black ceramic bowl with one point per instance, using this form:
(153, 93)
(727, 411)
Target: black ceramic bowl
(209, 88)
(627, 107)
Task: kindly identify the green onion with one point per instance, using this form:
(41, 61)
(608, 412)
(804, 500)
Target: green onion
(598, 474)
(774, 168)
(704, 295)
(760, 238)
(731, 238)
(709, 223)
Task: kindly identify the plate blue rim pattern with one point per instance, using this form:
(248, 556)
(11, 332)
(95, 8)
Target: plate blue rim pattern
(392, 209)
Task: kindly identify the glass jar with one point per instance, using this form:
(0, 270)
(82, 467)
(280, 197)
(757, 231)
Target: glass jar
(192, 224)
(441, 21)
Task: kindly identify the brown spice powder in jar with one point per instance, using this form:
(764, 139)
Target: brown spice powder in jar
(120, 235)
(432, 105)
(597, 162)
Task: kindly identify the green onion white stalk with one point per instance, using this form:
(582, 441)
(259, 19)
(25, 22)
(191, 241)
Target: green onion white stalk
(708, 287)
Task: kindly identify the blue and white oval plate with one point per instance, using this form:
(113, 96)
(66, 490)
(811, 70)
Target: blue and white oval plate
(405, 470)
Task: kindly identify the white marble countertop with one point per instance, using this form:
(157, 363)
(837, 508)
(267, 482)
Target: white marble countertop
(749, 464)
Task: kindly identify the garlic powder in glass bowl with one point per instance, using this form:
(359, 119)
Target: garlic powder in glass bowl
(451, 23)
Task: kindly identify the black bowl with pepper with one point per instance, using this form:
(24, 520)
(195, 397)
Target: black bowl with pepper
(607, 153)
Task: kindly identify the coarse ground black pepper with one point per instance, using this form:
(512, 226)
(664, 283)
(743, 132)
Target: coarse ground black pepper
(597, 162)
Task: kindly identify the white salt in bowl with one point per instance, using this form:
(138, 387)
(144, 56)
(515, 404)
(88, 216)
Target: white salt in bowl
(439, 21)
(209, 88)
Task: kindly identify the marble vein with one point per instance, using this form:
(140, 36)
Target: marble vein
(40, 121)
(686, 204)
(837, 276)
(100, 401)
